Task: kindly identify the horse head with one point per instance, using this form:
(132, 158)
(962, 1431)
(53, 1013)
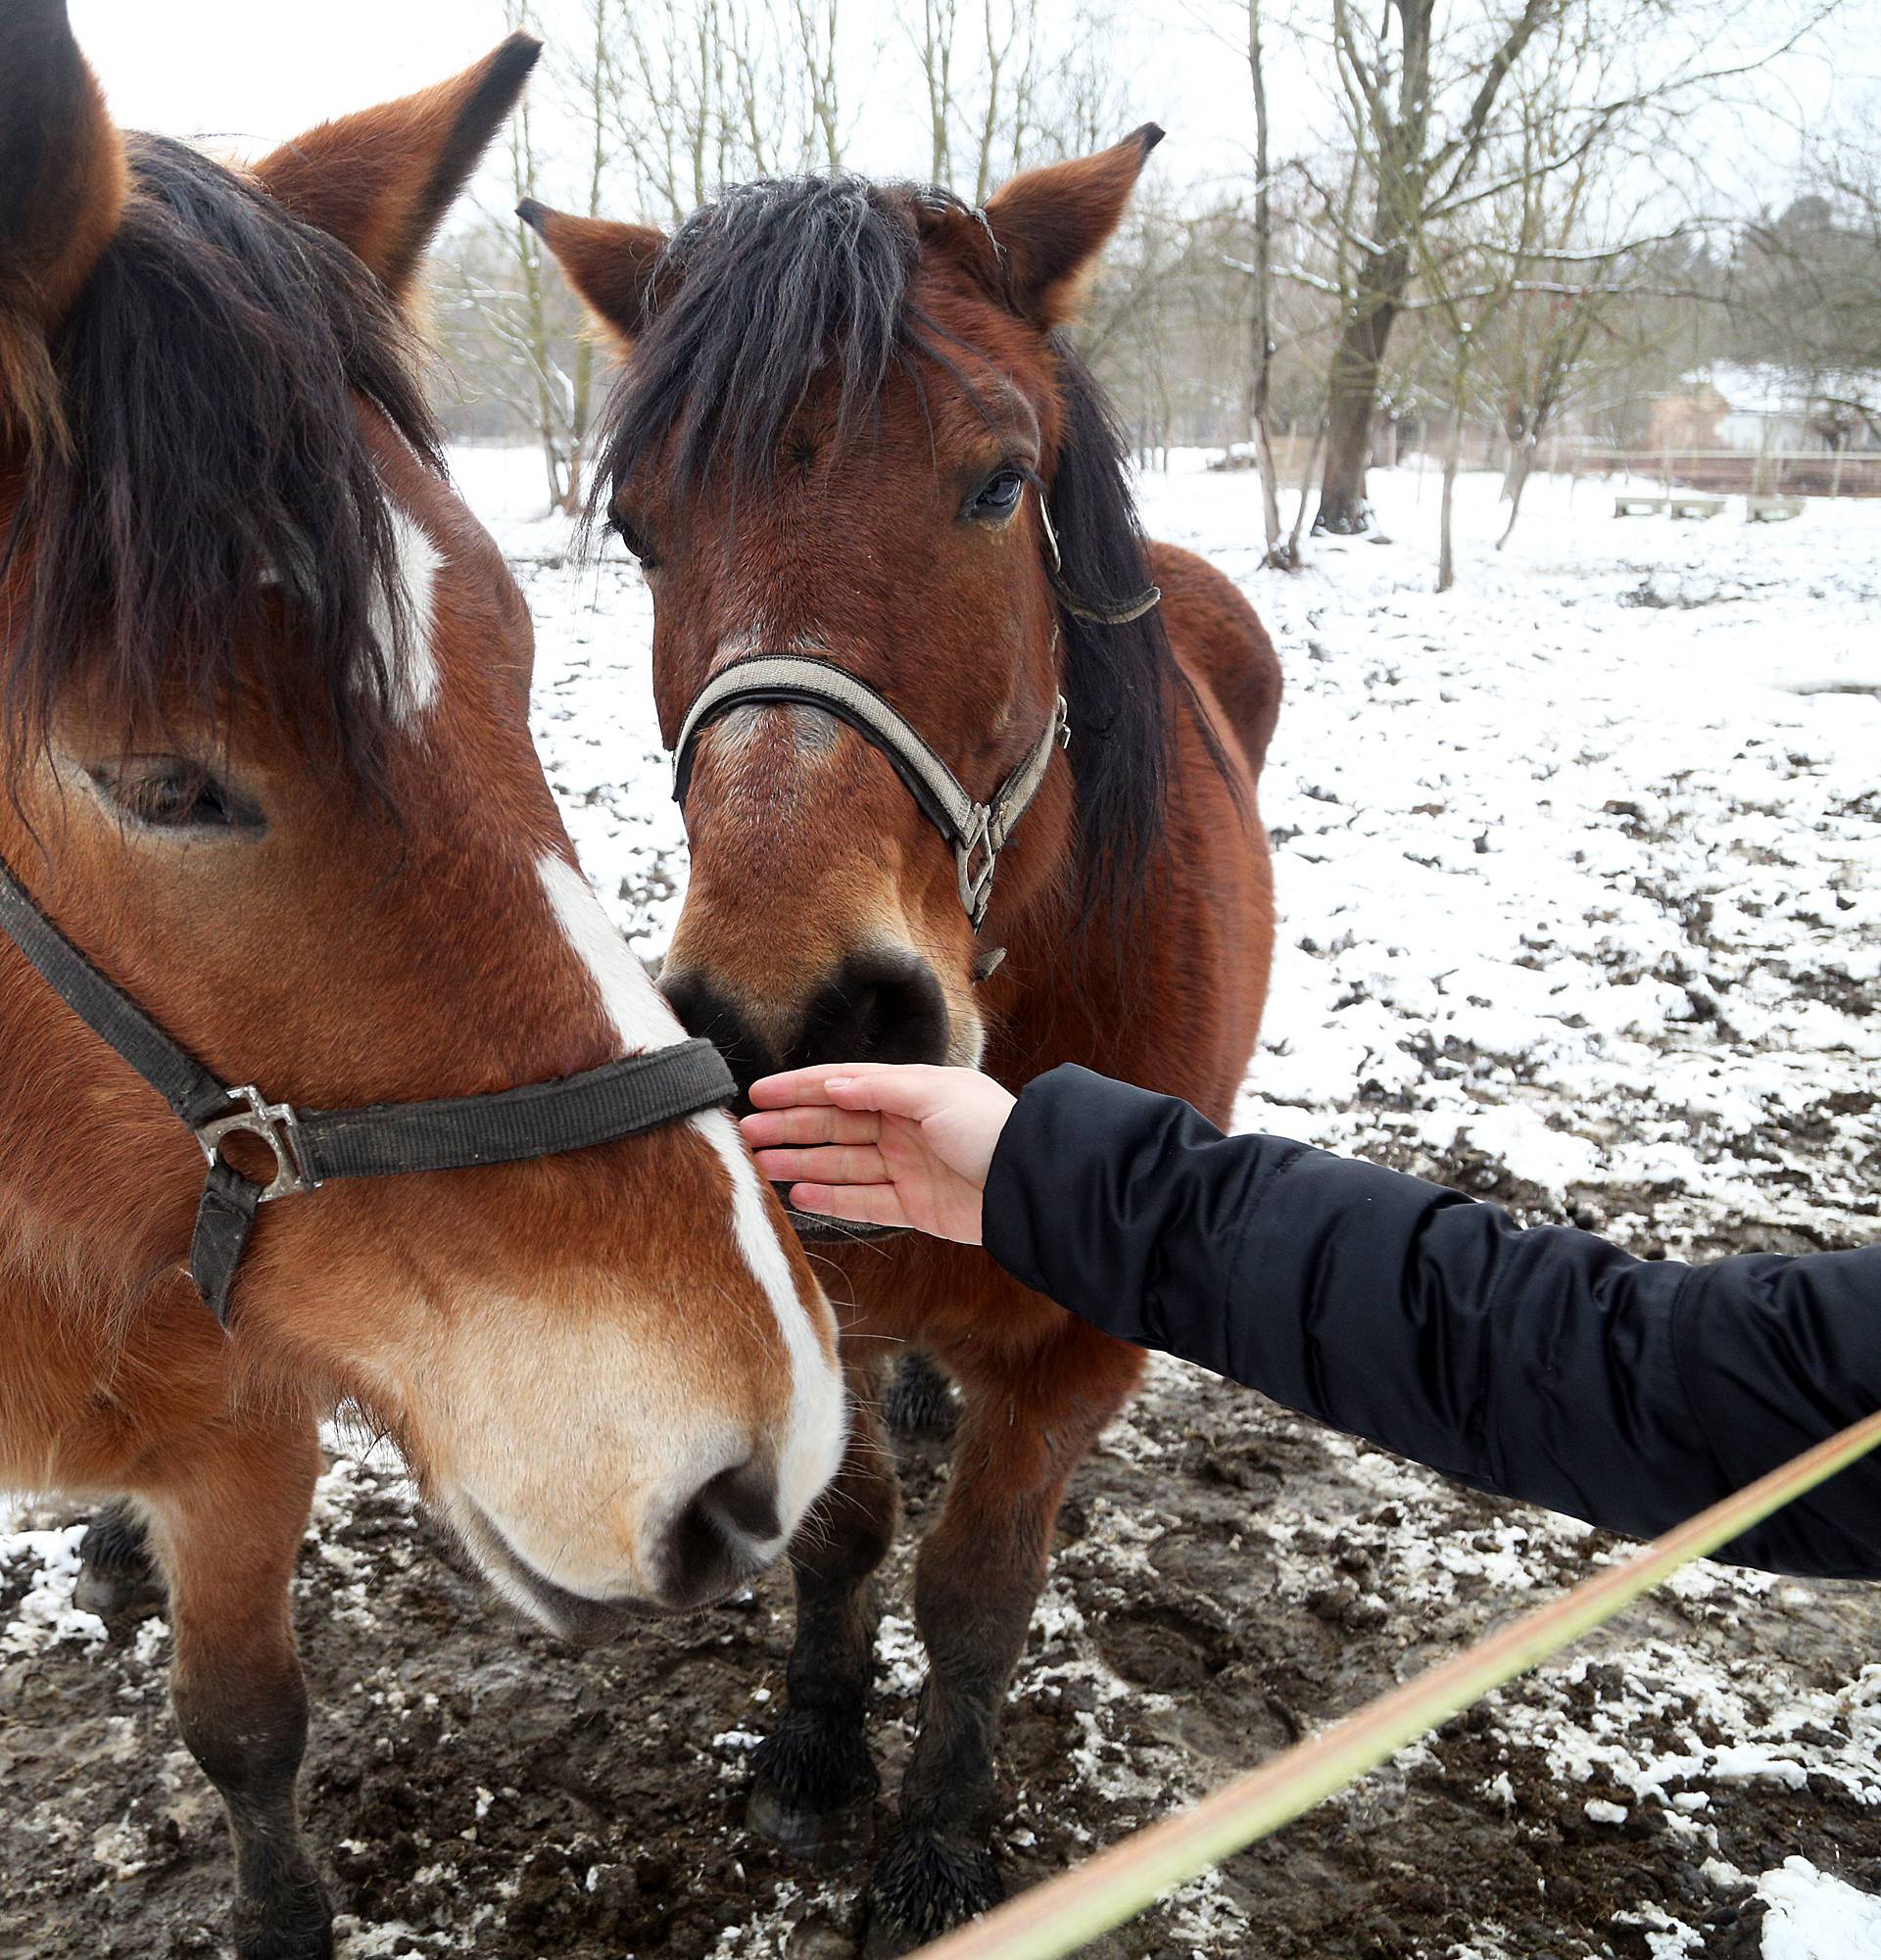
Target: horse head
(887, 529)
(268, 765)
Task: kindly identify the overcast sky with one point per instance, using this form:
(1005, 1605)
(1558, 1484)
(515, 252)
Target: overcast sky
(248, 72)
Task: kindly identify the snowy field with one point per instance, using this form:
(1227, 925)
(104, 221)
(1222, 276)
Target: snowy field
(1578, 865)
(1580, 872)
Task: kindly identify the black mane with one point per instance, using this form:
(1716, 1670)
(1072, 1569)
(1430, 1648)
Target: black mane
(769, 290)
(214, 467)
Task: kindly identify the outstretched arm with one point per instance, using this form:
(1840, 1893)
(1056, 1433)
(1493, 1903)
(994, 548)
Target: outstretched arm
(1543, 1364)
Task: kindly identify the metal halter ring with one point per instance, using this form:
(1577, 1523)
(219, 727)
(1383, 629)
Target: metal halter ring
(279, 1126)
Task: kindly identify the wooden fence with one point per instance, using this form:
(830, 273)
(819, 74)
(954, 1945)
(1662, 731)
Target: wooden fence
(1729, 472)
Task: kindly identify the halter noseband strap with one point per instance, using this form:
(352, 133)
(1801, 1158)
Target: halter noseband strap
(382, 1140)
(977, 831)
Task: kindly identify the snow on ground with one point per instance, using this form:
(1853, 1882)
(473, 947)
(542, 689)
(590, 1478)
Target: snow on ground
(1814, 1915)
(1579, 875)
(1580, 859)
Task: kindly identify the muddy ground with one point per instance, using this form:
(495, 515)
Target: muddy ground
(1226, 1579)
(1604, 953)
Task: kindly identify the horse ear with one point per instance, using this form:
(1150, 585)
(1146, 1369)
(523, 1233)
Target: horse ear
(1051, 223)
(381, 181)
(611, 265)
(62, 182)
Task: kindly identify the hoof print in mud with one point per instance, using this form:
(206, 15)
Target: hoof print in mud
(924, 1887)
(808, 1781)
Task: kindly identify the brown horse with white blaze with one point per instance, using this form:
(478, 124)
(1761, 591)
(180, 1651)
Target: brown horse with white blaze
(268, 774)
(883, 511)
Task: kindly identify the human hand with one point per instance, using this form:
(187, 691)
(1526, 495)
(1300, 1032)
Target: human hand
(882, 1143)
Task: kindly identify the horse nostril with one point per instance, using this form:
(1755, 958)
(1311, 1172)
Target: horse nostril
(723, 1534)
(744, 1501)
(704, 1011)
(884, 1004)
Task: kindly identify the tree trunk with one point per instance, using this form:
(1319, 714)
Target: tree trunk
(1262, 294)
(1452, 455)
(1520, 461)
(1294, 559)
(573, 482)
(1353, 394)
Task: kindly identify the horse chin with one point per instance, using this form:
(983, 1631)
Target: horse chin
(812, 1228)
(570, 1616)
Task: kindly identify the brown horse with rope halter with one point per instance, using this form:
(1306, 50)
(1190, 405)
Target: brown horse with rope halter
(323, 1077)
(900, 590)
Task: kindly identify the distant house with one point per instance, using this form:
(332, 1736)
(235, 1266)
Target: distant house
(1689, 419)
(1733, 406)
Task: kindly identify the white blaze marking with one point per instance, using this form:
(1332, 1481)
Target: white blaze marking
(818, 1425)
(640, 1017)
(819, 1421)
(405, 634)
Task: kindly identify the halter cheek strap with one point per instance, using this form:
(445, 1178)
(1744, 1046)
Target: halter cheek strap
(977, 831)
(380, 1140)
(1124, 615)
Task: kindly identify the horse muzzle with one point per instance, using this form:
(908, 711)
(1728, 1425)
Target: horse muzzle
(883, 1003)
(717, 1538)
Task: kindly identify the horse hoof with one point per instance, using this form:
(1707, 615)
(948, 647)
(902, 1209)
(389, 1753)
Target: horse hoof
(920, 1400)
(292, 1920)
(283, 1944)
(116, 1578)
(287, 1917)
(797, 1831)
(810, 1782)
(924, 1886)
(312, 1942)
(118, 1596)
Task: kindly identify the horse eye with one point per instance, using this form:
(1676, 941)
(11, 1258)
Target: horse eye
(997, 498)
(630, 535)
(169, 792)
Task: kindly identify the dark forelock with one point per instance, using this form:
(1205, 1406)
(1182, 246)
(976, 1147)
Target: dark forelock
(768, 289)
(210, 373)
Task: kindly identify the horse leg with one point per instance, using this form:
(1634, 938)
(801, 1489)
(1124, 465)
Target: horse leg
(815, 1768)
(980, 1573)
(227, 1529)
(116, 1576)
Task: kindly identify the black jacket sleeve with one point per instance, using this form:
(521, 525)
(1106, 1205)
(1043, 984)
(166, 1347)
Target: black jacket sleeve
(1542, 1364)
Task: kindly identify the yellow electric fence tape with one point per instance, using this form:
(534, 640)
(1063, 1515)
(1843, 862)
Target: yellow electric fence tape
(1063, 1914)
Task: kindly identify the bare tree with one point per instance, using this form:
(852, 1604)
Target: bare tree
(1419, 172)
(1004, 87)
(935, 50)
(514, 331)
(1804, 284)
(1263, 275)
(1422, 96)
(704, 93)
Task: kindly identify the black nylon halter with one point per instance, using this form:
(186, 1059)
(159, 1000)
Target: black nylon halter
(381, 1140)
